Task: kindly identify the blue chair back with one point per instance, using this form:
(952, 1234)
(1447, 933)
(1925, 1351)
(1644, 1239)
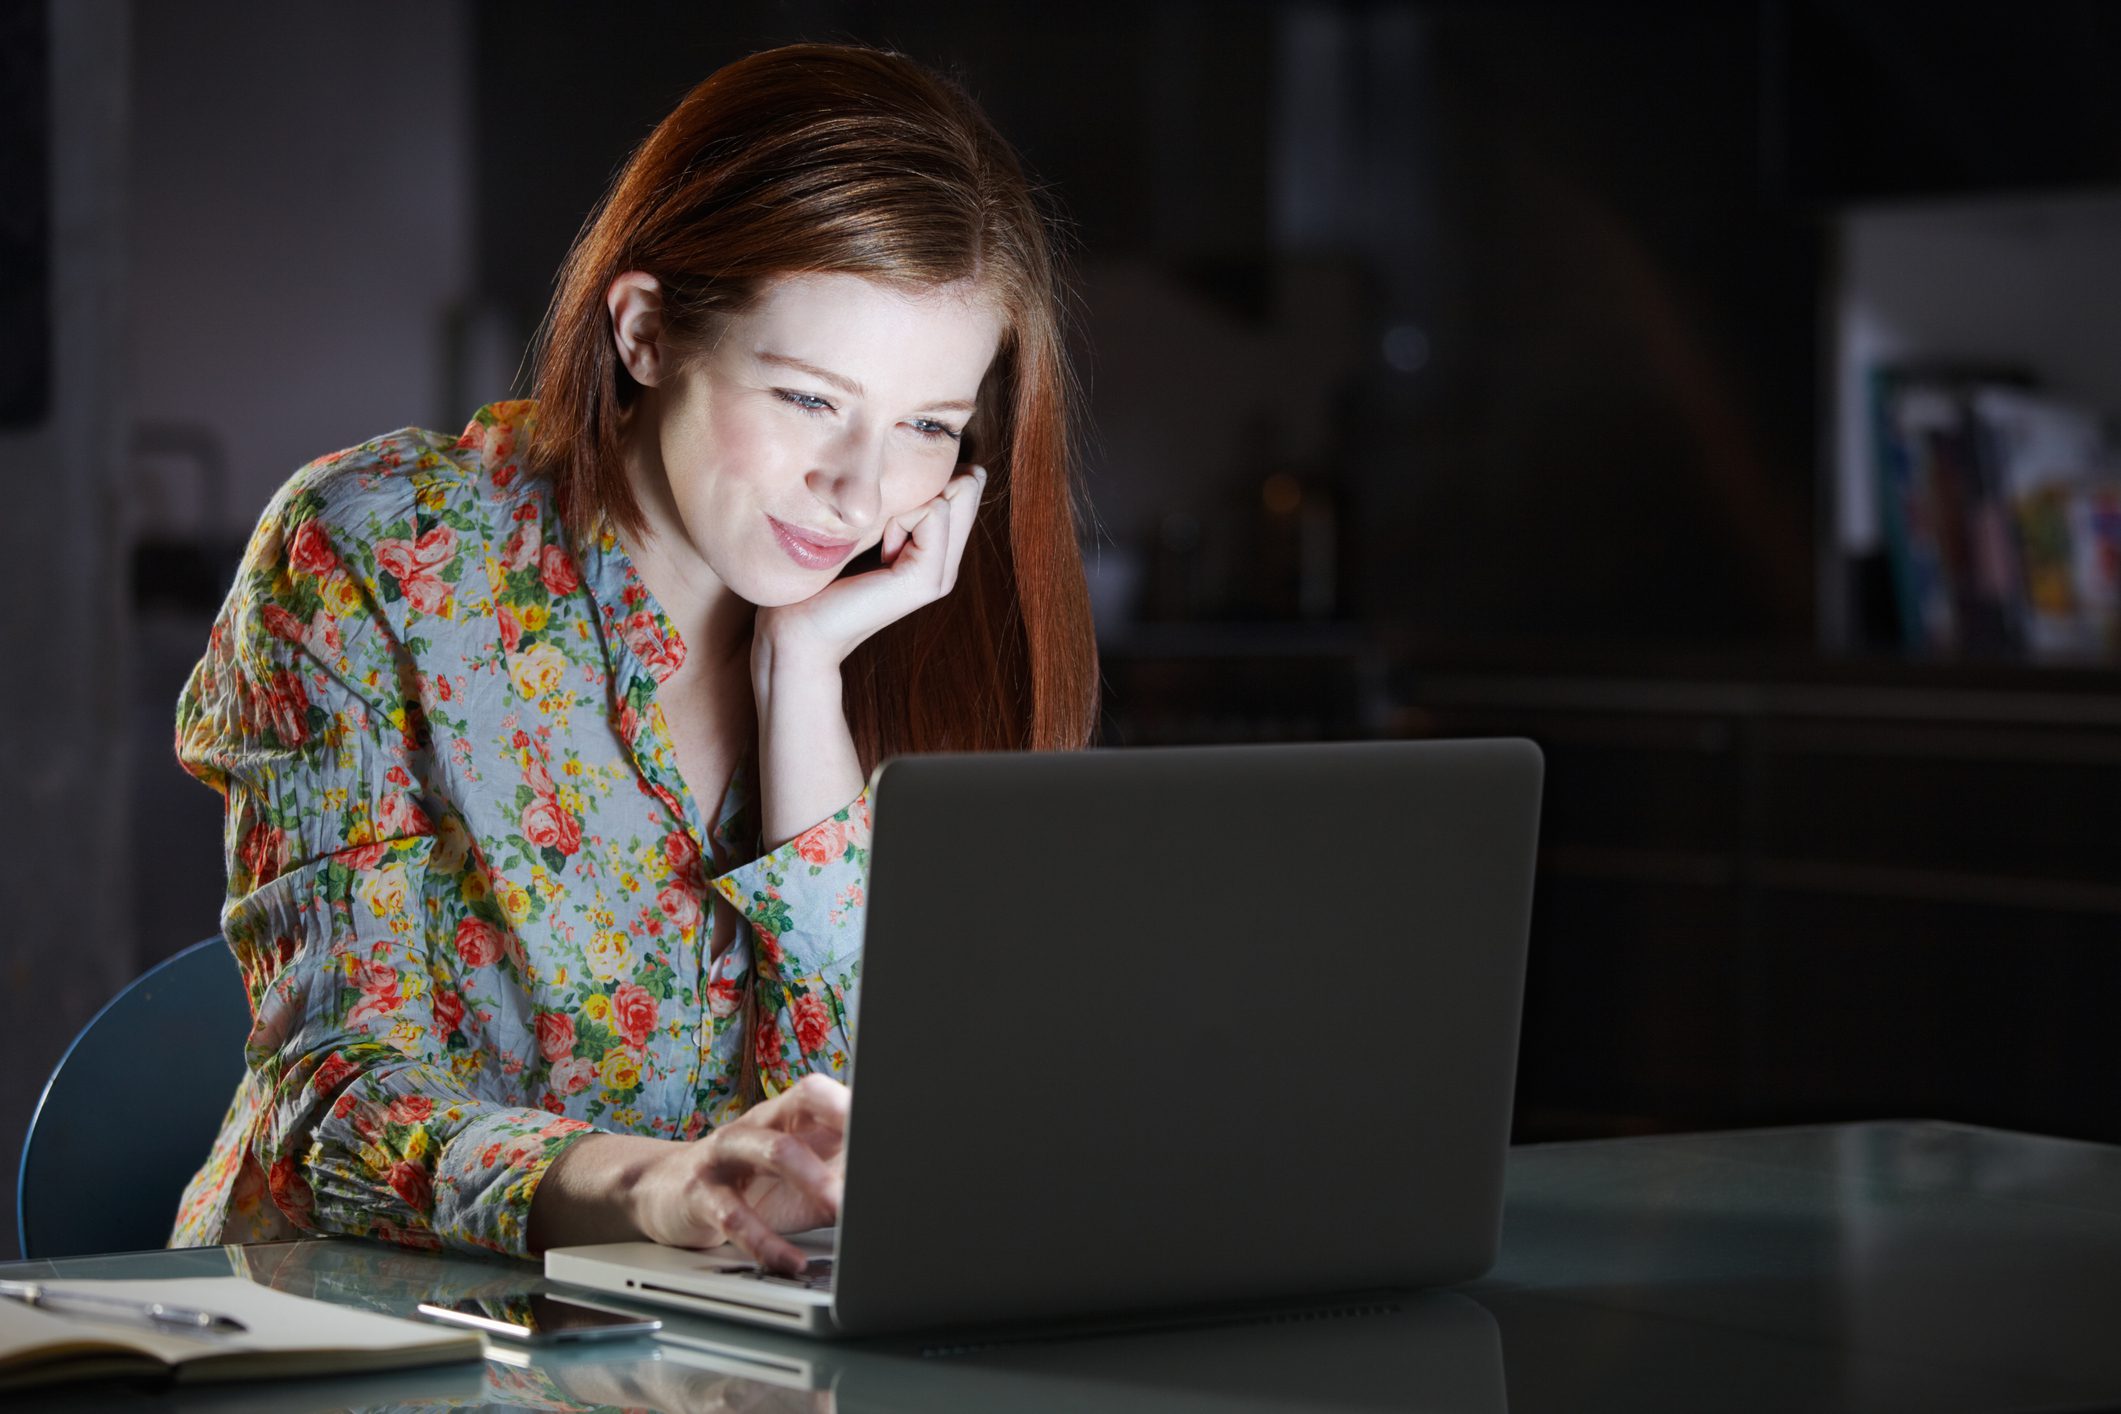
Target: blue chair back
(132, 1108)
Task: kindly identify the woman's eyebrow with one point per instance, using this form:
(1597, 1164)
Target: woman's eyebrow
(848, 385)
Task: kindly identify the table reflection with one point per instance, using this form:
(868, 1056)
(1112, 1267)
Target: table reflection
(1435, 1351)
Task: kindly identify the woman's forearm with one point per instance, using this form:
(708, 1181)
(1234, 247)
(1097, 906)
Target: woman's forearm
(592, 1192)
(808, 766)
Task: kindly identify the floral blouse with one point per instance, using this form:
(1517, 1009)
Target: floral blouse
(469, 892)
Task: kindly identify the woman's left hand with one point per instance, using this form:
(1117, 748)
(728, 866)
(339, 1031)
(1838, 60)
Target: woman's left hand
(921, 551)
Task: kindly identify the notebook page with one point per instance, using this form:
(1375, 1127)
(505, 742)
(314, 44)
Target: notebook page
(283, 1328)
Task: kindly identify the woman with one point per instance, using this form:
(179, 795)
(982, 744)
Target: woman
(544, 746)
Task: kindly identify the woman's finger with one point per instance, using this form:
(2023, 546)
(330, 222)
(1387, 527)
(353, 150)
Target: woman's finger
(815, 1099)
(743, 1226)
(928, 543)
(737, 1152)
(966, 491)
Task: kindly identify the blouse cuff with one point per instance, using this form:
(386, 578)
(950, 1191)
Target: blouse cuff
(489, 1175)
(805, 901)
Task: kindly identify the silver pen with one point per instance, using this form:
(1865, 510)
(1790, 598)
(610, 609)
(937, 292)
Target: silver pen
(92, 1303)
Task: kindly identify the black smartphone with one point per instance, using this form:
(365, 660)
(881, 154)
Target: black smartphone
(541, 1319)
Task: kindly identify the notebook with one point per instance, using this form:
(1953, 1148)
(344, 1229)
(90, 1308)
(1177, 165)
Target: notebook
(1142, 1030)
(285, 1335)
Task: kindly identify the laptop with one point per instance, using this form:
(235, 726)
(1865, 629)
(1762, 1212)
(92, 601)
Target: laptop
(1162, 1030)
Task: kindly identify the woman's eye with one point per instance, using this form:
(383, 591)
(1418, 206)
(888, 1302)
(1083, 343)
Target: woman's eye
(806, 401)
(934, 431)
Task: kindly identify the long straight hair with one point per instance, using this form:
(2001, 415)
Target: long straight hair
(817, 159)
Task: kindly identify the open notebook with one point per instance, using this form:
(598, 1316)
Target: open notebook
(286, 1335)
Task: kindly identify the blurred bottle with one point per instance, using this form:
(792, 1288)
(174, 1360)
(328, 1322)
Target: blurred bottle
(1293, 571)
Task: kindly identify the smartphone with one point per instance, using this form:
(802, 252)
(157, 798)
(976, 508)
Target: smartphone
(541, 1319)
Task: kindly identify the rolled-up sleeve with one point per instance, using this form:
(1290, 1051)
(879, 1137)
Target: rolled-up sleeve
(806, 903)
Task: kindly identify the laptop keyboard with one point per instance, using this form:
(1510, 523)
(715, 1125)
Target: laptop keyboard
(815, 1277)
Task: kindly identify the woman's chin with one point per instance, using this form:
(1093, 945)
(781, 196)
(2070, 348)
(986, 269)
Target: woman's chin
(774, 591)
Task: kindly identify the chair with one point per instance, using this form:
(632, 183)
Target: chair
(132, 1107)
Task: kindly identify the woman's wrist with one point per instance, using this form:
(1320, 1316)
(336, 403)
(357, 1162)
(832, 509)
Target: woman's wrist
(807, 761)
(787, 664)
(597, 1191)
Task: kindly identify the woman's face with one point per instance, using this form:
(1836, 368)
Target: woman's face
(829, 406)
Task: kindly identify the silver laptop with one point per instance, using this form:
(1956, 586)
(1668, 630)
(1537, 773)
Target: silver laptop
(1156, 1030)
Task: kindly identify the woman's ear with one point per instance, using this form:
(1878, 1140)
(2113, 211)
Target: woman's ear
(635, 300)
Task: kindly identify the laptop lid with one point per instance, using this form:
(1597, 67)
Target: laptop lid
(1153, 1027)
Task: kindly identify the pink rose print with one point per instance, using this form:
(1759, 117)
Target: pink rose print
(558, 572)
(812, 1025)
(397, 817)
(410, 1182)
(290, 1191)
(633, 1013)
(310, 551)
(682, 853)
(417, 566)
(663, 656)
(323, 635)
(449, 1013)
(286, 704)
(822, 844)
(555, 1035)
(722, 997)
(411, 1109)
(478, 943)
(283, 625)
(334, 1072)
(366, 856)
(767, 1050)
(378, 983)
(521, 551)
(262, 852)
(540, 779)
(548, 825)
(681, 906)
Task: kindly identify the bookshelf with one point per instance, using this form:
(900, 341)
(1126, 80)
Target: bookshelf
(1973, 386)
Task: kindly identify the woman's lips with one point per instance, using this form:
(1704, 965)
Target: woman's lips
(807, 550)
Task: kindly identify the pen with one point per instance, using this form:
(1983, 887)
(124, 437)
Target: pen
(183, 1318)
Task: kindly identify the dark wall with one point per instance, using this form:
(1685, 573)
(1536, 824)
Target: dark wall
(1147, 123)
(1616, 445)
(25, 213)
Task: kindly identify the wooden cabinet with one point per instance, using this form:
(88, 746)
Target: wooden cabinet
(1766, 902)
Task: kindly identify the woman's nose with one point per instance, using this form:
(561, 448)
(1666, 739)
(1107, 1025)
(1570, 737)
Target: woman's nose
(848, 478)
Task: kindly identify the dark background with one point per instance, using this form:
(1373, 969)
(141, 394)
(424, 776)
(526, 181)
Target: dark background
(1455, 368)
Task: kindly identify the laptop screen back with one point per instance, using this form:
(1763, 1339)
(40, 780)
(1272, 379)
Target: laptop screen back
(1150, 1027)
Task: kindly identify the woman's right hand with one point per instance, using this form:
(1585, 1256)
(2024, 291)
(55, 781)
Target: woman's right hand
(779, 1167)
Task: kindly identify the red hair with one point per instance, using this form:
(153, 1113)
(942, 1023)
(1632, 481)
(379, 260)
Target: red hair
(834, 159)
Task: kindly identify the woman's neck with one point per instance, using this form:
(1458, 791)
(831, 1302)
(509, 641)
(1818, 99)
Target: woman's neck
(713, 621)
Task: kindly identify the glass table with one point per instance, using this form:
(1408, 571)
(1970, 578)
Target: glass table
(1893, 1265)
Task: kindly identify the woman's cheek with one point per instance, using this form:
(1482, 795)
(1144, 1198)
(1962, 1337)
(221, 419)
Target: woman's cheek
(924, 483)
